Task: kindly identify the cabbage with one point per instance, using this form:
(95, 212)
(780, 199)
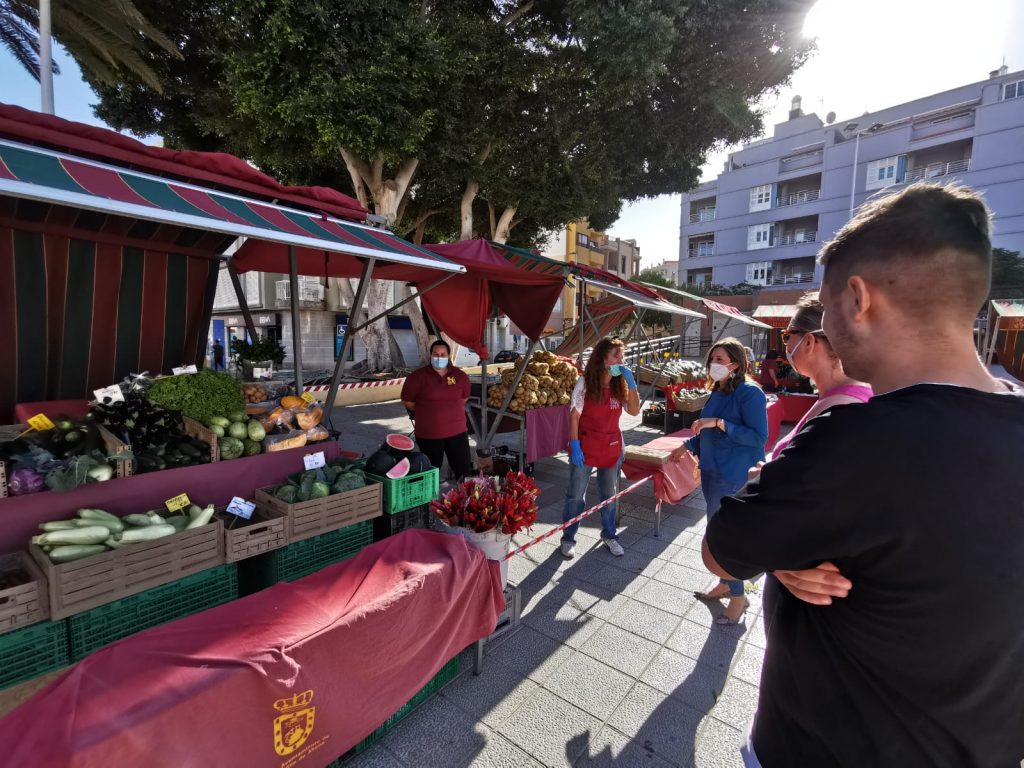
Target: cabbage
(24, 481)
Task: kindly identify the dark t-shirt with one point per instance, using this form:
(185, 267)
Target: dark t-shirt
(918, 497)
(440, 401)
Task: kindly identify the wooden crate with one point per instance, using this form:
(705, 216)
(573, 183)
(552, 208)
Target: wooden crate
(198, 431)
(266, 530)
(114, 447)
(93, 581)
(26, 603)
(317, 516)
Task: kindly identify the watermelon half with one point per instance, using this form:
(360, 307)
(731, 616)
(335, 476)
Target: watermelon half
(380, 462)
(418, 463)
(399, 445)
(401, 469)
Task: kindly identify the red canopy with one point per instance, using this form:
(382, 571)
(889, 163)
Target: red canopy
(217, 168)
(461, 306)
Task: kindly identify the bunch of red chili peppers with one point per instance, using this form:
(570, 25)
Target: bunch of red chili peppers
(485, 503)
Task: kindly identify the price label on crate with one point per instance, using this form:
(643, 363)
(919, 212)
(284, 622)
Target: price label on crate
(314, 460)
(308, 397)
(112, 393)
(40, 422)
(241, 507)
(184, 369)
(178, 502)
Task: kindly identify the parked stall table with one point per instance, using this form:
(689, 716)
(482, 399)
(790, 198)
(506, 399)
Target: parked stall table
(673, 481)
(543, 432)
(786, 409)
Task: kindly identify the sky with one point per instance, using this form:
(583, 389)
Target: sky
(870, 55)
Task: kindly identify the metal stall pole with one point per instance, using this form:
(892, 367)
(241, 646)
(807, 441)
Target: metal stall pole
(243, 304)
(508, 398)
(481, 438)
(293, 284)
(347, 339)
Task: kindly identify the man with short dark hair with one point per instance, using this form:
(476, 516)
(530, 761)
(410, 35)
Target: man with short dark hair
(910, 507)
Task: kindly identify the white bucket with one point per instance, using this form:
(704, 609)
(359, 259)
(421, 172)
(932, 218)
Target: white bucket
(494, 544)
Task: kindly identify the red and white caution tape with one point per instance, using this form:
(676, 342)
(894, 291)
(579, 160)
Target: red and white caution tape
(580, 516)
(356, 385)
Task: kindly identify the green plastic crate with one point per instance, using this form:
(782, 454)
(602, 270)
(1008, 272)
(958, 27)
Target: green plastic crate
(446, 674)
(32, 651)
(302, 558)
(101, 626)
(409, 491)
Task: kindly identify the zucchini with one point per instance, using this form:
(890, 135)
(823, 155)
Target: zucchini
(201, 519)
(114, 526)
(138, 521)
(178, 521)
(67, 553)
(150, 532)
(155, 518)
(59, 525)
(96, 514)
(93, 534)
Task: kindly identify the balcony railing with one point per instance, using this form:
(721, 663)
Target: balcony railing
(701, 249)
(704, 214)
(804, 196)
(310, 293)
(794, 279)
(794, 238)
(935, 170)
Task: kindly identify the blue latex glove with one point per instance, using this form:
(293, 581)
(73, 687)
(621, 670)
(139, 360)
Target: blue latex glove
(575, 453)
(628, 376)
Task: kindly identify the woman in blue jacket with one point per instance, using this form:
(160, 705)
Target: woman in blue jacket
(728, 440)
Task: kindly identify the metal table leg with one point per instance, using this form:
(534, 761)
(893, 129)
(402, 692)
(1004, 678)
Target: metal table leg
(478, 660)
(657, 518)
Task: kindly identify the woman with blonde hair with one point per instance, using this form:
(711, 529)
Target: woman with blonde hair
(602, 393)
(728, 440)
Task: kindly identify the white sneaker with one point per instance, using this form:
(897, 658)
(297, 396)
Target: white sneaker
(614, 547)
(568, 550)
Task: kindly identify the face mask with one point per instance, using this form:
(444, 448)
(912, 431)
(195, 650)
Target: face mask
(439, 362)
(790, 354)
(719, 372)
(615, 370)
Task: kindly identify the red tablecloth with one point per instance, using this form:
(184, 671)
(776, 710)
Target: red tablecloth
(673, 481)
(547, 432)
(52, 408)
(294, 675)
(215, 483)
(786, 409)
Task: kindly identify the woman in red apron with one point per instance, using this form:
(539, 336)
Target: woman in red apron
(605, 389)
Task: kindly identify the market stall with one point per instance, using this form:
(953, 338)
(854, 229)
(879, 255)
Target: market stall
(1004, 336)
(673, 480)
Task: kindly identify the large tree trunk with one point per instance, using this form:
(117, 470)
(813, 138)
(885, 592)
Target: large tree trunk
(387, 196)
(468, 196)
(500, 229)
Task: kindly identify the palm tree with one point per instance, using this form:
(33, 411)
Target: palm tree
(106, 37)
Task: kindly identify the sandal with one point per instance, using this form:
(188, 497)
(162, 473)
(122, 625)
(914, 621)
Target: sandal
(726, 621)
(708, 597)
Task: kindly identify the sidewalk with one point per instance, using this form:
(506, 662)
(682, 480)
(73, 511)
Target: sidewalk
(615, 663)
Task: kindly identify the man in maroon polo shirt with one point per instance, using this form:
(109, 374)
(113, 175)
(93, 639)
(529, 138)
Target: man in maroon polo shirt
(437, 394)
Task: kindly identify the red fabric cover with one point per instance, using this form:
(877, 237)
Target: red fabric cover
(217, 168)
(786, 408)
(673, 481)
(547, 432)
(354, 642)
(205, 484)
(440, 401)
(596, 273)
(52, 408)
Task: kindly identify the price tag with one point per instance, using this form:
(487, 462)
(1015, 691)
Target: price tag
(178, 502)
(314, 460)
(113, 393)
(241, 508)
(40, 422)
(260, 373)
(184, 369)
(309, 397)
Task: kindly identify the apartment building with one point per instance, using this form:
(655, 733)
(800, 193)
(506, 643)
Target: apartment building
(763, 220)
(669, 270)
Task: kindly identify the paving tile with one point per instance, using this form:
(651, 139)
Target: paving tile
(608, 604)
(499, 752)
(718, 746)
(737, 705)
(375, 757)
(618, 580)
(437, 733)
(530, 653)
(620, 649)
(590, 685)
(666, 597)
(688, 579)
(492, 694)
(748, 666)
(637, 562)
(658, 548)
(705, 644)
(691, 558)
(684, 678)
(550, 729)
(564, 623)
(611, 749)
(664, 725)
(645, 620)
(756, 634)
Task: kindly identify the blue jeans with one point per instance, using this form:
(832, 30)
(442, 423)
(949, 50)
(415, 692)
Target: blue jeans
(715, 487)
(576, 497)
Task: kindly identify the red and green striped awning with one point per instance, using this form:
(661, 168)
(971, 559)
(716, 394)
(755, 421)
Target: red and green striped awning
(528, 261)
(55, 178)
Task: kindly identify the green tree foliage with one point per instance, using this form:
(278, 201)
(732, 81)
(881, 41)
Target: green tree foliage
(1007, 274)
